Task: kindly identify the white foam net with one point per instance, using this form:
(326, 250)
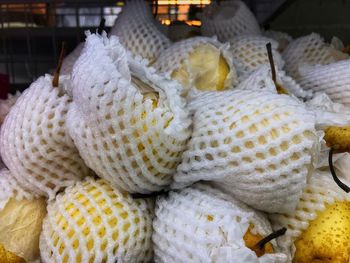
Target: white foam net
(138, 32)
(259, 146)
(68, 62)
(34, 143)
(282, 38)
(320, 191)
(9, 188)
(228, 20)
(172, 58)
(131, 138)
(333, 79)
(5, 105)
(201, 224)
(312, 50)
(249, 53)
(93, 222)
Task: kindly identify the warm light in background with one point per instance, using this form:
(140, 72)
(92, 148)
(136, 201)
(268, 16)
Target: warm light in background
(194, 23)
(166, 22)
(184, 2)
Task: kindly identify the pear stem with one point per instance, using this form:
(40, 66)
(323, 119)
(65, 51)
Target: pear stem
(154, 194)
(101, 26)
(261, 244)
(55, 80)
(334, 175)
(272, 63)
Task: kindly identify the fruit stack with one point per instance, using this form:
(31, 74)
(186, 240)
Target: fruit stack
(204, 150)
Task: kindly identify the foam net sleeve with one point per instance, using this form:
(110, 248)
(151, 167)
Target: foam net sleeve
(9, 188)
(171, 58)
(197, 223)
(69, 60)
(332, 79)
(34, 143)
(93, 222)
(249, 53)
(320, 191)
(312, 50)
(230, 19)
(259, 146)
(5, 105)
(140, 36)
(132, 139)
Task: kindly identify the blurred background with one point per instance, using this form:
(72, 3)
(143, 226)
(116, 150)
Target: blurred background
(31, 31)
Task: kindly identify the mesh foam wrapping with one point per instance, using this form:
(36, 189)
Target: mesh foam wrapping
(282, 38)
(171, 58)
(34, 143)
(258, 146)
(5, 105)
(249, 53)
(312, 50)
(201, 224)
(230, 19)
(333, 79)
(133, 141)
(9, 188)
(69, 60)
(138, 32)
(93, 222)
(320, 191)
(261, 79)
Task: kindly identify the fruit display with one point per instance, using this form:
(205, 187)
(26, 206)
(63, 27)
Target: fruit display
(229, 147)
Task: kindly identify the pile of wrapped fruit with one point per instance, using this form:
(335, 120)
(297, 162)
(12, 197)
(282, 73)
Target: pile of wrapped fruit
(226, 147)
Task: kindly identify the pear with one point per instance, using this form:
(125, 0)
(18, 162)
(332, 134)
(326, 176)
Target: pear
(332, 79)
(257, 145)
(311, 50)
(319, 228)
(133, 128)
(93, 222)
(227, 20)
(21, 217)
(34, 142)
(142, 36)
(199, 62)
(201, 224)
(338, 138)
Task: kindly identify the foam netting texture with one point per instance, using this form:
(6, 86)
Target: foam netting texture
(68, 62)
(171, 58)
(93, 222)
(34, 143)
(140, 36)
(249, 53)
(9, 188)
(259, 146)
(201, 224)
(333, 79)
(131, 138)
(230, 19)
(320, 191)
(282, 38)
(311, 50)
(5, 105)
(261, 79)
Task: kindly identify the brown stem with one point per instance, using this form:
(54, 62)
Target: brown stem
(261, 244)
(101, 26)
(56, 76)
(272, 64)
(334, 175)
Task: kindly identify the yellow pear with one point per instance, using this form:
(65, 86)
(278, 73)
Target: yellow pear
(205, 66)
(251, 240)
(327, 239)
(338, 138)
(9, 257)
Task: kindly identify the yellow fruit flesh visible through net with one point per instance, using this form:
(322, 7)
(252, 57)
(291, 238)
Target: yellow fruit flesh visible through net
(206, 67)
(9, 257)
(251, 240)
(327, 239)
(338, 138)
